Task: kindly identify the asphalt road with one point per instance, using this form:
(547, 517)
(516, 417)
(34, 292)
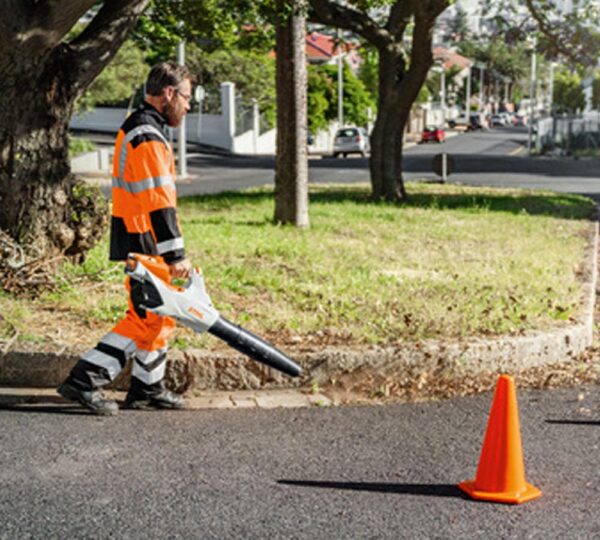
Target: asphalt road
(341, 472)
(496, 158)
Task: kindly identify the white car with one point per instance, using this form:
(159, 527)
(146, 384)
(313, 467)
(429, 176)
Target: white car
(351, 140)
(498, 120)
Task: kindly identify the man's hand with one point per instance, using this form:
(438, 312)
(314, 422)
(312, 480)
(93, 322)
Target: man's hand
(181, 269)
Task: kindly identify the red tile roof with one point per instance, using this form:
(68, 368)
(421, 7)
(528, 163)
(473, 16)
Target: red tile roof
(450, 58)
(320, 46)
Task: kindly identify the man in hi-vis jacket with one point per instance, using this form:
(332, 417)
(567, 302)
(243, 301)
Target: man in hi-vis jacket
(144, 220)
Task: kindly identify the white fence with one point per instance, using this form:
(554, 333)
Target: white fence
(568, 132)
(211, 129)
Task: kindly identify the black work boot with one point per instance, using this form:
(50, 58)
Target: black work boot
(90, 399)
(156, 396)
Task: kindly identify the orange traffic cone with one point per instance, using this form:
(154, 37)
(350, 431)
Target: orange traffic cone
(501, 473)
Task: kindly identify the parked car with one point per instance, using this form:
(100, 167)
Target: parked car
(433, 133)
(351, 140)
(497, 120)
(475, 122)
(520, 120)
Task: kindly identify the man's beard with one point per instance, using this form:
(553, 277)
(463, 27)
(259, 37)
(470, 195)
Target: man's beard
(170, 114)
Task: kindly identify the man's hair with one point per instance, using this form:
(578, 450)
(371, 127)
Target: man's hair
(165, 74)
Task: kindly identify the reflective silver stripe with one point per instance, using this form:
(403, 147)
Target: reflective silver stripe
(170, 245)
(146, 358)
(145, 128)
(119, 342)
(148, 377)
(103, 360)
(143, 185)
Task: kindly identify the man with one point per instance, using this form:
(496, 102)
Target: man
(144, 220)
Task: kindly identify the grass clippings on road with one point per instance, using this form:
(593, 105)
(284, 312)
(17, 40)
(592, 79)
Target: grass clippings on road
(452, 262)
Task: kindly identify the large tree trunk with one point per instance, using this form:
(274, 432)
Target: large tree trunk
(387, 137)
(398, 89)
(291, 167)
(44, 209)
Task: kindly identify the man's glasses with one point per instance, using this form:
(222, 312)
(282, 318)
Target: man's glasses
(187, 97)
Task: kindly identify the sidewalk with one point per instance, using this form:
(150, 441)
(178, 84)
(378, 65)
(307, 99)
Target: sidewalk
(210, 399)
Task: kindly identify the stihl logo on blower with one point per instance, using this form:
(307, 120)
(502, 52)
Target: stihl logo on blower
(151, 290)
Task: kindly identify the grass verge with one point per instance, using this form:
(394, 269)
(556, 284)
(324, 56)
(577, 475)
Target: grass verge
(454, 261)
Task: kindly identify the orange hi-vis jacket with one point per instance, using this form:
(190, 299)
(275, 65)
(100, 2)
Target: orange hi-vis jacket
(144, 216)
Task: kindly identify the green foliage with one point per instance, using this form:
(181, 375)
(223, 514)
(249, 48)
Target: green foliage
(209, 24)
(508, 60)
(572, 34)
(119, 81)
(320, 92)
(596, 92)
(252, 72)
(423, 95)
(568, 93)
(323, 97)
(458, 28)
(80, 146)
(368, 72)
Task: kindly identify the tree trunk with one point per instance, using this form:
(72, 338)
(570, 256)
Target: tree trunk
(44, 209)
(291, 167)
(386, 139)
(398, 89)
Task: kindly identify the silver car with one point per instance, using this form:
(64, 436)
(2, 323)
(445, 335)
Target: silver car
(351, 140)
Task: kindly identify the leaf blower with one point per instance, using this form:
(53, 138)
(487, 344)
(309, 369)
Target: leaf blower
(151, 290)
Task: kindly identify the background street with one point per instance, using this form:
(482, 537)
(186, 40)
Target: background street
(340, 472)
(497, 158)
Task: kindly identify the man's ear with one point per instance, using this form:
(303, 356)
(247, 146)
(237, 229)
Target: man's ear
(169, 93)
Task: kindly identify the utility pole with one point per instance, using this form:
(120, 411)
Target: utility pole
(532, 95)
(468, 100)
(340, 81)
(481, 79)
(443, 97)
(181, 136)
(551, 92)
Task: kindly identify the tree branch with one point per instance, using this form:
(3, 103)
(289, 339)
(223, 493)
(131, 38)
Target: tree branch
(62, 16)
(98, 43)
(34, 28)
(421, 55)
(566, 45)
(333, 14)
(400, 15)
(426, 13)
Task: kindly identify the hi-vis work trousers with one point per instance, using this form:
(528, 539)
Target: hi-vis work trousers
(142, 336)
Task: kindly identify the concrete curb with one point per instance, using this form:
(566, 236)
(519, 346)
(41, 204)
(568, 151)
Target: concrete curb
(209, 371)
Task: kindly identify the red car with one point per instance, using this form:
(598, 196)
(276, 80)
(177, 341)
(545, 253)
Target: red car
(433, 133)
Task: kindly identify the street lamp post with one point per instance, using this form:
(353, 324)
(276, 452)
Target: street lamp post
(532, 95)
(481, 80)
(468, 100)
(181, 136)
(439, 68)
(551, 89)
(443, 97)
(340, 81)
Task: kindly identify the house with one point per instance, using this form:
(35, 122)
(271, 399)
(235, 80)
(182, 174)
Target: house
(323, 49)
(450, 59)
